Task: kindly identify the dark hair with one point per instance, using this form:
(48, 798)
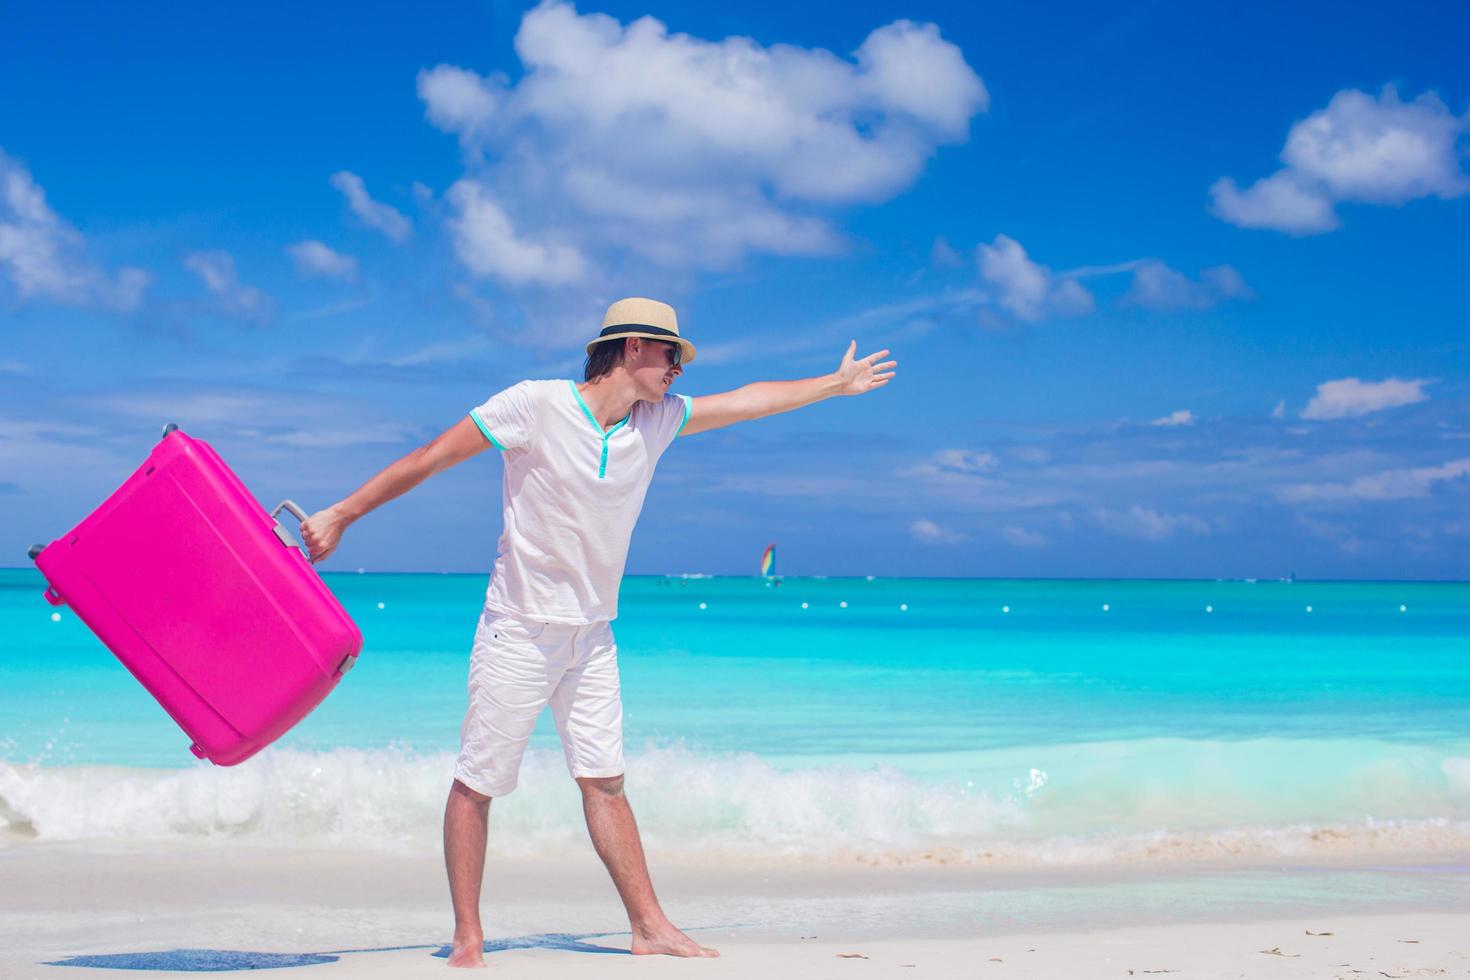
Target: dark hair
(604, 357)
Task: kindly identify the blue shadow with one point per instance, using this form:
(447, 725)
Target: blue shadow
(226, 960)
(547, 940)
(196, 960)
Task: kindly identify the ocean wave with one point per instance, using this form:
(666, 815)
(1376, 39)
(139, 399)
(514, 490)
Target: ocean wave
(736, 807)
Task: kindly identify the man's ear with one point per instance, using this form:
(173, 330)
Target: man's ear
(632, 348)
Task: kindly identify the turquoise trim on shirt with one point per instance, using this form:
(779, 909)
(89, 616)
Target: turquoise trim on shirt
(485, 429)
(602, 460)
(602, 464)
(688, 406)
(585, 410)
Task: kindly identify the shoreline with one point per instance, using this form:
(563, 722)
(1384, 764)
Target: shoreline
(865, 577)
(70, 899)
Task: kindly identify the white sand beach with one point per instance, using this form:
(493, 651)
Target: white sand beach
(185, 906)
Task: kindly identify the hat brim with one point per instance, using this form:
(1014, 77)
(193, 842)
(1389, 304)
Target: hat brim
(687, 349)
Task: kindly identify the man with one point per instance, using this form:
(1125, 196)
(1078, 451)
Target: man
(578, 460)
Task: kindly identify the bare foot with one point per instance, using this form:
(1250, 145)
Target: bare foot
(468, 952)
(669, 941)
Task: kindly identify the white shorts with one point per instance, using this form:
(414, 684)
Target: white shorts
(516, 668)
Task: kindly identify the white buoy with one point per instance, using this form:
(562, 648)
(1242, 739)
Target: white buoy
(703, 606)
(1005, 609)
(1106, 607)
(1309, 609)
(870, 578)
(56, 617)
(843, 603)
(1403, 608)
(381, 606)
(803, 605)
(1209, 608)
(904, 606)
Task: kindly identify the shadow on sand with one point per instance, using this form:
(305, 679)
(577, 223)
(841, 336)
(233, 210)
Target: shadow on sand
(226, 960)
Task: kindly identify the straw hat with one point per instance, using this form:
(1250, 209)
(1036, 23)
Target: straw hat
(637, 317)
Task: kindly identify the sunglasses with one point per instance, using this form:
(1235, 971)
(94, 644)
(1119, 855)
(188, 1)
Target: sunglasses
(674, 352)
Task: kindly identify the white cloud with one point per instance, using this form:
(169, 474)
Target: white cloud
(489, 246)
(1398, 484)
(43, 256)
(1142, 522)
(1022, 538)
(959, 467)
(1382, 151)
(1281, 202)
(1027, 290)
(459, 101)
(1346, 539)
(389, 433)
(931, 533)
(693, 153)
(48, 449)
(1159, 287)
(207, 407)
(1181, 417)
(943, 255)
(1349, 397)
(1361, 149)
(217, 271)
(1032, 454)
(1279, 412)
(314, 258)
(964, 460)
(443, 351)
(375, 214)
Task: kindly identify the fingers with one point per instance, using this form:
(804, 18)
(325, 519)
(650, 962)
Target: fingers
(316, 546)
(885, 366)
(884, 377)
(873, 357)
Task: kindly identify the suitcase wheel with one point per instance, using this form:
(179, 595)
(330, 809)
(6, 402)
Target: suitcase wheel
(54, 597)
(198, 752)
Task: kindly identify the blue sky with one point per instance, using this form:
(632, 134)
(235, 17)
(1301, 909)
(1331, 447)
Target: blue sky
(1176, 290)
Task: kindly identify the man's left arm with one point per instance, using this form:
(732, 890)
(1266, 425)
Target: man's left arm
(854, 376)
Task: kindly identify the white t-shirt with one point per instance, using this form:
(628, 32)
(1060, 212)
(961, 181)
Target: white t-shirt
(572, 495)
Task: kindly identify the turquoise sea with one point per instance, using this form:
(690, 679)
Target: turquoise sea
(1050, 722)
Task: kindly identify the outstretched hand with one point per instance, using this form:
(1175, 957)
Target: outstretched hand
(864, 374)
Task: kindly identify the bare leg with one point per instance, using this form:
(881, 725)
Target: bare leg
(466, 822)
(615, 835)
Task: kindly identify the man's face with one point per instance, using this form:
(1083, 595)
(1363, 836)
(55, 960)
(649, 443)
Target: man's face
(653, 367)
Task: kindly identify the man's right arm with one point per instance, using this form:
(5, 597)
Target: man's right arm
(323, 530)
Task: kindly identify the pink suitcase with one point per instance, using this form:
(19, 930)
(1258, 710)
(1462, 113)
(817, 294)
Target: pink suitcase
(206, 598)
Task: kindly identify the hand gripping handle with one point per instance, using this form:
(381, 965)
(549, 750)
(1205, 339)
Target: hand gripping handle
(281, 532)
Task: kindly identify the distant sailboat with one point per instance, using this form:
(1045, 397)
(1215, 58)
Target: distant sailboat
(768, 564)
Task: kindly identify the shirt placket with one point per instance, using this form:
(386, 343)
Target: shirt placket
(605, 436)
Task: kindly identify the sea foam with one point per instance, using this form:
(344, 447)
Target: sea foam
(735, 806)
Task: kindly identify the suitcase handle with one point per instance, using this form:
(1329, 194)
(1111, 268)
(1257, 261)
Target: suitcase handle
(281, 532)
